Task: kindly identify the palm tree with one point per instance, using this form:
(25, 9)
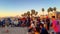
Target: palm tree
(28, 13)
(22, 15)
(55, 12)
(54, 8)
(50, 9)
(36, 13)
(43, 11)
(32, 12)
(25, 14)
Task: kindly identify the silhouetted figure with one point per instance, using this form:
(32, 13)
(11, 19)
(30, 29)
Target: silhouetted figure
(43, 30)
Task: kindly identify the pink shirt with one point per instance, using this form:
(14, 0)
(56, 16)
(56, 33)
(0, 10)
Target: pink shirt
(54, 22)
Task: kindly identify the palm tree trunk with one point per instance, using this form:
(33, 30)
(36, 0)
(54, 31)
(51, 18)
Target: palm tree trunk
(43, 14)
(48, 14)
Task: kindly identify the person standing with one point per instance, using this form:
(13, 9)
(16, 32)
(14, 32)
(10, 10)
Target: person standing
(43, 30)
(16, 22)
(58, 24)
(54, 24)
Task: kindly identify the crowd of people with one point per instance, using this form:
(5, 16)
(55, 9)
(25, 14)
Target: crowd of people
(35, 25)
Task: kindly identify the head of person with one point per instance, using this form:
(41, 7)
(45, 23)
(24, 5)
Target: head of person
(58, 16)
(53, 17)
(41, 26)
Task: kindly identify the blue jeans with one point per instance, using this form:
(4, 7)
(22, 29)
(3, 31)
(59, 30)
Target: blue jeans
(58, 32)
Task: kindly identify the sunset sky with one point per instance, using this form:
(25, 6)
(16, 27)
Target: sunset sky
(17, 7)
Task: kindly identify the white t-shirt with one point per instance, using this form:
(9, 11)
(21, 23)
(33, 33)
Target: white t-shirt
(32, 25)
(15, 22)
(42, 22)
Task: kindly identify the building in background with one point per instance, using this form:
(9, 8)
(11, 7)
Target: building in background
(57, 14)
(54, 14)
